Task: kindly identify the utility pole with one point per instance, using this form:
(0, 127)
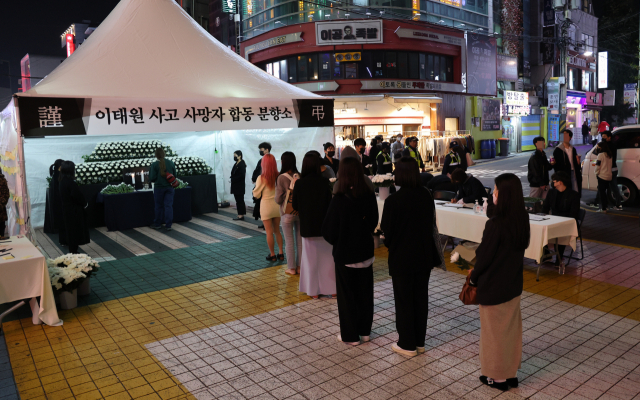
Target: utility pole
(564, 41)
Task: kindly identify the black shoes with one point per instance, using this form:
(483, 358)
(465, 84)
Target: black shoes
(261, 227)
(239, 219)
(504, 386)
(281, 257)
(271, 258)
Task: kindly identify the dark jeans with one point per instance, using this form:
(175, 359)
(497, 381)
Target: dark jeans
(602, 193)
(164, 206)
(354, 288)
(240, 205)
(411, 295)
(614, 190)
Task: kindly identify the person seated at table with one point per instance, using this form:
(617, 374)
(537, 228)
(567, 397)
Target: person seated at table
(73, 208)
(562, 202)
(470, 188)
(162, 190)
(442, 182)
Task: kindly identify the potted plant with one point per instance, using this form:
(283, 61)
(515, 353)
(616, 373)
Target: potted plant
(70, 275)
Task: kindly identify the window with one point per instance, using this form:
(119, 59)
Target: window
(414, 65)
(423, 66)
(436, 68)
(302, 69)
(378, 64)
(391, 68)
(588, 43)
(293, 76)
(325, 66)
(587, 81)
(430, 75)
(403, 70)
(336, 68)
(284, 72)
(313, 67)
(627, 139)
(351, 70)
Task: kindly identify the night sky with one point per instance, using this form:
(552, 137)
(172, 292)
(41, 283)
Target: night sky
(35, 26)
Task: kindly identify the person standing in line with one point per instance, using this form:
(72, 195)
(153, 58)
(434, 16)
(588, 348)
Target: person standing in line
(373, 153)
(329, 159)
(563, 202)
(351, 219)
(361, 146)
(567, 159)
(384, 160)
(413, 253)
(613, 185)
(603, 174)
(456, 158)
(412, 151)
(265, 190)
(289, 218)
(73, 208)
(162, 191)
(238, 176)
(56, 205)
(311, 198)
(498, 275)
(397, 146)
(585, 132)
(265, 148)
(4, 199)
(538, 170)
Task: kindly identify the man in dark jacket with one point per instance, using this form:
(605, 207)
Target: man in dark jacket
(470, 189)
(539, 168)
(361, 145)
(265, 148)
(566, 159)
(585, 132)
(562, 201)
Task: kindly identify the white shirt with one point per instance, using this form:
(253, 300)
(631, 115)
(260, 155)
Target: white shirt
(569, 151)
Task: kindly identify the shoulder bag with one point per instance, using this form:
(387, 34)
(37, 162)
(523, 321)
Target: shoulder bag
(468, 294)
(288, 200)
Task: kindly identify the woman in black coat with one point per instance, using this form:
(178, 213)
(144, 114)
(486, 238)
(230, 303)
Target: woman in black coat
(55, 203)
(73, 208)
(351, 219)
(407, 223)
(238, 176)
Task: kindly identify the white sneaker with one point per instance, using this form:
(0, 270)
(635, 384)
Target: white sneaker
(618, 208)
(420, 350)
(600, 210)
(364, 339)
(400, 350)
(350, 343)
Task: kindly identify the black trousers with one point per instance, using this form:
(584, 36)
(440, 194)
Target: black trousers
(3, 226)
(602, 193)
(411, 295)
(240, 205)
(74, 249)
(355, 301)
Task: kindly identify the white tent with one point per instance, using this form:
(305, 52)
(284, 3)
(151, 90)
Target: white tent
(193, 93)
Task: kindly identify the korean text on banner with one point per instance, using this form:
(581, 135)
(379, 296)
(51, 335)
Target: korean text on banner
(481, 65)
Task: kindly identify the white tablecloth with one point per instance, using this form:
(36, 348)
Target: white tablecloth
(463, 223)
(26, 276)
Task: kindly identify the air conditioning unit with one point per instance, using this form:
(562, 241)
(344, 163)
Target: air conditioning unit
(348, 57)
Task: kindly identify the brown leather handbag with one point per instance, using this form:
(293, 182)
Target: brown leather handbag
(468, 294)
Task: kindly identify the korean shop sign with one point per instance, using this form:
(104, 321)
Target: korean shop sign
(513, 98)
(348, 32)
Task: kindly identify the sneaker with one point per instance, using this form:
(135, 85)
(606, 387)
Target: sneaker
(600, 210)
(420, 350)
(593, 205)
(364, 339)
(156, 226)
(168, 229)
(617, 208)
(401, 351)
(350, 343)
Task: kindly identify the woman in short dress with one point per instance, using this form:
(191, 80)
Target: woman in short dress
(265, 190)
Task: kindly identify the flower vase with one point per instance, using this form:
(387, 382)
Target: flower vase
(383, 192)
(85, 287)
(69, 300)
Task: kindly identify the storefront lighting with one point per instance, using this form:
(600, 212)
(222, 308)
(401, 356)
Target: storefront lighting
(588, 53)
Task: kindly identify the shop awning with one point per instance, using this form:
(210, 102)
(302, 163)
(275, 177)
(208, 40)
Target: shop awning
(416, 99)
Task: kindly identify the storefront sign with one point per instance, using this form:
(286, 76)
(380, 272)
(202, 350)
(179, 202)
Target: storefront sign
(553, 90)
(575, 61)
(549, 13)
(491, 114)
(481, 64)
(516, 98)
(412, 85)
(609, 98)
(507, 68)
(428, 35)
(272, 42)
(594, 98)
(229, 6)
(554, 128)
(603, 69)
(519, 111)
(548, 47)
(455, 3)
(380, 121)
(348, 32)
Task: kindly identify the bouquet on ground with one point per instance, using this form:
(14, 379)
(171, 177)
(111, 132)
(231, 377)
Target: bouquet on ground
(118, 189)
(387, 180)
(464, 255)
(67, 272)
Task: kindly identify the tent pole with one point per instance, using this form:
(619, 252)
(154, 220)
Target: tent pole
(26, 200)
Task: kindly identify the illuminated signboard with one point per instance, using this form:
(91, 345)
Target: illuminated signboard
(229, 6)
(513, 98)
(71, 46)
(603, 69)
(348, 32)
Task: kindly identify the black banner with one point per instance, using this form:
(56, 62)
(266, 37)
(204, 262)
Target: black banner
(52, 116)
(547, 48)
(481, 65)
(314, 113)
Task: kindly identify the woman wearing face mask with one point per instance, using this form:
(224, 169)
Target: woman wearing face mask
(238, 176)
(329, 160)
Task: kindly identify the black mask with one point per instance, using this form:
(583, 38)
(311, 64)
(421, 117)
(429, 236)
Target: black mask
(261, 153)
(235, 158)
(361, 150)
(331, 154)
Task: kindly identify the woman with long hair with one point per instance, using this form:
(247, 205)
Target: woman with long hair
(163, 192)
(288, 215)
(499, 280)
(238, 176)
(351, 219)
(265, 190)
(311, 198)
(73, 208)
(603, 172)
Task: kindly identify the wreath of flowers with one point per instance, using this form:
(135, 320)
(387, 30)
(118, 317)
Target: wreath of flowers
(67, 272)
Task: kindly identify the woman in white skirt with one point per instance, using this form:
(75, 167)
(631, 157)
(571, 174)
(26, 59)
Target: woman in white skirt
(311, 198)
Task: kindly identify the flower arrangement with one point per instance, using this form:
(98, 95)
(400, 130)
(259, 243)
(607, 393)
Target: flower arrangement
(111, 171)
(182, 184)
(118, 189)
(332, 183)
(460, 262)
(387, 180)
(127, 150)
(67, 272)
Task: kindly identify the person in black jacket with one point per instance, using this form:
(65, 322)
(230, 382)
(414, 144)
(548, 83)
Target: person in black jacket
(361, 145)
(411, 150)
(73, 208)
(351, 219)
(538, 170)
(383, 159)
(413, 253)
(566, 163)
(238, 176)
(329, 159)
(311, 198)
(457, 158)
(498, 275)
(470, 189)
(265, 148)
(56, 204)
(563, 202)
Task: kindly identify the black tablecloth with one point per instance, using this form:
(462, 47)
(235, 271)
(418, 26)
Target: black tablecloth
(135, 210)
(203, 199)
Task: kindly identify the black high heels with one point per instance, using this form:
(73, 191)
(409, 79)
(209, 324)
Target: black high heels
(271, 258)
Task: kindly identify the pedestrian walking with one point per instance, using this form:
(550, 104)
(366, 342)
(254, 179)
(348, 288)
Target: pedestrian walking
(567, 159)
(499, 279)
(406, 221)
(265, 191)
(538, 170)
(73, 208)
(289, 218)
(603, 174)
(160, 173)
(585, 132)
(264, 148)
(563, 202)
(367, 161)
(351, 219)
(238, 176)
(614, 190)
(311, 198)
